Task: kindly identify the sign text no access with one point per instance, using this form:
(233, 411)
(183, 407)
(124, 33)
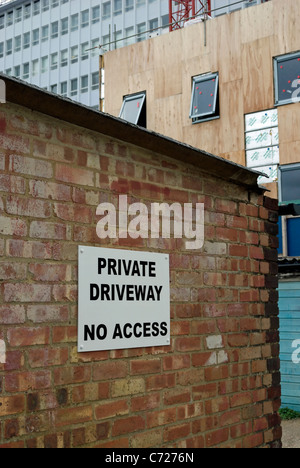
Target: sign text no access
(124, 299)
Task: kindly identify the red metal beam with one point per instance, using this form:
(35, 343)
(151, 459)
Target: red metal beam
(181, 11)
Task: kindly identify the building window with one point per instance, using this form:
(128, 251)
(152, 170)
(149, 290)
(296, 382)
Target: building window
(95, 47)
(84, 51)
(74, 22)
(287, 79)
(18, 15)
(44, 64)
(45, 5)
(53, 88)
(74, 54)
(74, 87)
(64, 55)
(129, 5)
(35, 67)
(85, 18)
(106, 10)
(1, 49)
(95, 14)
(134, 109)
(26, 40)
(95, 80)
(64, 26)
(17, 71)
(18, 43)
(45, 33)
(117, 7)
(205, 98)
(129, 36)
(9, 18)
(262, 144)
(84, 84)
(9, 47)
(54, 3)
(54, 29)
(35, 37)
(27, 10)
(25, 71)
(54, 61)
(289, 226)
(2, 21)
(64, 89)
(141, 29)
(36, 7)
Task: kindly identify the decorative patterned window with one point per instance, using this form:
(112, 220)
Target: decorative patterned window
(262, 144)
(205, 98)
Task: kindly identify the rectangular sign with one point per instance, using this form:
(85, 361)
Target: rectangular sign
(124, 299)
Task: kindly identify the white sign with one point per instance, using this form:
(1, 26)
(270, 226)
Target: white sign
(124, 299)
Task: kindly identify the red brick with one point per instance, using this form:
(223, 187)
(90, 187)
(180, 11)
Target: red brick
(24, 381)
(150, 366)
(30, 166)
(10, 405)
(161, 418)
(12, 270)
(12, 184)
(45, 230)
(50, 272)
(12, 227)
(27, 292)
(77, 214)
(49, 190)
(177, 432)
(28, 249)
(128, 425)
(70, 416)
(145, 403)
(47, 313)
(73, 175)
(112, 409)
(217, 437)
(12, 314)
(15, 143)
(26, 336)
(47, 357)
(110, 370)
(27, 207)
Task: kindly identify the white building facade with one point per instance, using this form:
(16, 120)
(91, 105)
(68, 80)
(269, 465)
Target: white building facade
(54, 43)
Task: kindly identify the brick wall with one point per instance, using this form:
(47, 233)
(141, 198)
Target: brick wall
(217, 384)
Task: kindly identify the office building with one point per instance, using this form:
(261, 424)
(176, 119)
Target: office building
(54, 44)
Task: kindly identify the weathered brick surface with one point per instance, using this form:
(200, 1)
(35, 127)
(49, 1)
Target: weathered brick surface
(216, 384)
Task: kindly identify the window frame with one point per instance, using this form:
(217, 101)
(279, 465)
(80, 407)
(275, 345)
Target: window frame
(283, 232)
(132, 97)
(205, 116)
(276, 62)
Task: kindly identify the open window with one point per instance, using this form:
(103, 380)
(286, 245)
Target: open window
(287, 79)
(205, 98)
(134, 109)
